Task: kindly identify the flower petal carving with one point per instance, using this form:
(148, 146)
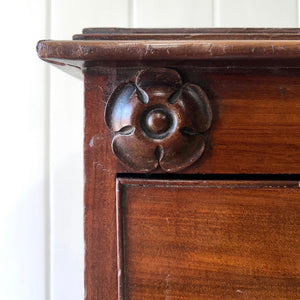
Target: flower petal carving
(119, 108)
(147, 160)
(158, 122)
(177, 155)
(193, 104)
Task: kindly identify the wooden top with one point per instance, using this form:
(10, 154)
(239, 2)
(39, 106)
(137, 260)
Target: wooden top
(121, 45)
(188, 34)
(245, 31)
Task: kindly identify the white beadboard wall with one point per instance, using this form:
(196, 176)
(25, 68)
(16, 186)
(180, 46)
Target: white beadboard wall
(24, 132)
(41, 117)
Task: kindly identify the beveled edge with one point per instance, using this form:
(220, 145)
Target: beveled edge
(100, 46)
(180, 30)
(120, 50)
(188, 34)
(209, 183)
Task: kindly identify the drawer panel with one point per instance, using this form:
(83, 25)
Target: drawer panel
(208, 239)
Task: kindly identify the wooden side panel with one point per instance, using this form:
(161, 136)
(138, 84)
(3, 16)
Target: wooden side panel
(99, 199)
(209, 240)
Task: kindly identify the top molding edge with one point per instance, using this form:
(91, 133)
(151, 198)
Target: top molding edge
(128, 31)
(188, 34)
(121, 44)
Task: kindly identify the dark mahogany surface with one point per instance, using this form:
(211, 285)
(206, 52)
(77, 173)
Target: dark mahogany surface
(256, 119)
(121, 45)
(209, 239)
(158, 121)
(188, 34)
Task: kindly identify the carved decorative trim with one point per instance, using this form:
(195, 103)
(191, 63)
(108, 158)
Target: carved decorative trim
(158, 122)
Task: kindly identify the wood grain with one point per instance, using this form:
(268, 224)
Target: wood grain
(256, 118)
(99, 199)
(209, 240)
(181, 31)
(139, 50)
(188, 33)
(257, 123)
(119, 46)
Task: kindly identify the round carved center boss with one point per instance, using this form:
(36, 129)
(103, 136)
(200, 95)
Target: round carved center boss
(157, 123)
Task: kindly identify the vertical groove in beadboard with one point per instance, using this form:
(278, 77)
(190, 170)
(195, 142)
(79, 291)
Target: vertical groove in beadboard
(215, 13)
(298, 12)
(131, 11)
(47, 210)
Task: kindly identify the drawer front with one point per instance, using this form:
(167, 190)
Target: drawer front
(208, 239)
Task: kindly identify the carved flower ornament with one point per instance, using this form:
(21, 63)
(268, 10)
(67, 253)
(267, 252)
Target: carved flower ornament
(158, 121)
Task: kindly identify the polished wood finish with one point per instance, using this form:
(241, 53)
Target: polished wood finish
(153, 50)
(256, 117)
(99, 196)
(228, 239)
(158, 121)
(253, 97)
(188, 33)
(209, 240)
(120, 46)
(110, 31)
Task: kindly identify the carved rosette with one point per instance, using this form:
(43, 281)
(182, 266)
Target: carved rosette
(158, 121)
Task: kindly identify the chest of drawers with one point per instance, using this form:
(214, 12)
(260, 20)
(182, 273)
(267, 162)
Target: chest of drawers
(192, 160)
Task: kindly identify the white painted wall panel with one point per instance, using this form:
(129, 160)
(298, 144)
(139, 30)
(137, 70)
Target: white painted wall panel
(170, 13)
(66, 187)
(256, 13)
(70, 17)
(23, 152)
(66, 151)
